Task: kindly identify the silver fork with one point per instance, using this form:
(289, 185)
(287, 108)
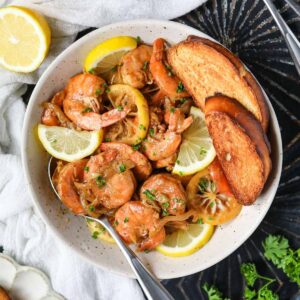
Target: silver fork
(290, 39)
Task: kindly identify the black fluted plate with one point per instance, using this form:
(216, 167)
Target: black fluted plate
(247, 28)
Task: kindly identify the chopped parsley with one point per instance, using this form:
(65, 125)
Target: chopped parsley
(151, 132)
(211, 204)
(203, 185)
(98, 92)
(126, 219)
(165, 213)
(114, 69)
(141, 126)
(91, 208)
(178, 200)
(203, 151)
(172, 110)
(92, 71)
(136, 147)
(145, 66)
(178, 161)
(180, 87)
(116, 223)
(199, 221)
(100, 181)
(86, 109)
(138, 40)
(182, 100)
(122, 168)
(107, 139)
(95, 235)
(149, 195)
(165, 204)
(86, 168)
(120, 108)
(181, 173)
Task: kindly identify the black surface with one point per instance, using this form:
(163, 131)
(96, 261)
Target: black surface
(246, 27)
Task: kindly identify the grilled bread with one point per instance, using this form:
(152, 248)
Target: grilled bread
(241, 146)
(207, 68)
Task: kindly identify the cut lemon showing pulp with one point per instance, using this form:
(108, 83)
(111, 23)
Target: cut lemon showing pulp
(24, 39)
(186, 242)
(196, 151)
(107, 55)
(68, 144)
(99, 232)
(133, 129)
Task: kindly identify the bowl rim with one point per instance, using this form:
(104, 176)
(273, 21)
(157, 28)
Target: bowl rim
(25, 165)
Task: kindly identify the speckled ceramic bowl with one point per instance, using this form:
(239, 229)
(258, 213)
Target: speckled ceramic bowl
(72, 230)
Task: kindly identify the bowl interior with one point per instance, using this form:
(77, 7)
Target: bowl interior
(73, 230)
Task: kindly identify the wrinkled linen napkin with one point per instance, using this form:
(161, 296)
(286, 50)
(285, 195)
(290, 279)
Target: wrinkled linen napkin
(22, 233)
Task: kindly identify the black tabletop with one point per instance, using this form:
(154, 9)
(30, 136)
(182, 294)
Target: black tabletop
(247, 28)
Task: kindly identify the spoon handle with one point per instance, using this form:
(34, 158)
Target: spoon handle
(151, 286)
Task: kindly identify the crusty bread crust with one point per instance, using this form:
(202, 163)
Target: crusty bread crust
(207, 68)
(240, 161)
(246, 121)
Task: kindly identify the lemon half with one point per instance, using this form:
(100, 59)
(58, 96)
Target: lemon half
(24, 39)
(196, 150)
(68, 144)
(186, 242)
(99, 232)
(104, 57)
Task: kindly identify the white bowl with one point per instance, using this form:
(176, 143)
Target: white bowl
(72, 230)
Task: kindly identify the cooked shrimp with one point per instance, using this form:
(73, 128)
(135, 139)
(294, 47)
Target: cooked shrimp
(167, 163)
(142, 167)
(139, 224)
(111, 181)
(68, 175)
(168, 83)
(82, 103)
(165, 190)
(133, 69)
(160, 143)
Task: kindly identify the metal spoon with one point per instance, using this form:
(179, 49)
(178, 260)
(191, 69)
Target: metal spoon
(151, 286)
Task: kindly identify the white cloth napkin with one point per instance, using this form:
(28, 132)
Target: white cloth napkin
(22, 234)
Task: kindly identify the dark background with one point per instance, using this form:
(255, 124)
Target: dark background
(247, 28)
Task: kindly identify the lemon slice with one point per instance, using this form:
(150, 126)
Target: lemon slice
(133, 129)
(24, 39)
(186, 242)
(104, 57)
(68, 144)
(196, 151)
(99, 232)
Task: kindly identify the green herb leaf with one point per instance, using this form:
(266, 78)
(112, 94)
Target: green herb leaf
(142, 127)
(165, 204)
(92, 71)
(107, 139)
(203, 185)
(138, 40)
(136, 147)
(122, 168)
(212, 292)
(98, 92)
(91, 208)
(145, 66)
(149, 195)
(114, 69)
(120, 108)
(151, 132)
(95, 235)
(126, 219)
(100, 181)
(249, 272)
(249, 294)
(199, 221)
(180, 87)
(86, 168)
(86, 109)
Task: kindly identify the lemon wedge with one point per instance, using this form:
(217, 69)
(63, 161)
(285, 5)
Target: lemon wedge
(186, 242)
(196, 150)
(107, 55)
(133, 129)
(68, 144)
(24, 39)
(99, 232)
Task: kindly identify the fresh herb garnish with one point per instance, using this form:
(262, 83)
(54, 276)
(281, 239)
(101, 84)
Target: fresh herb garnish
(165, 204)
(92, 71)
(86, 168)
(151, 132)
(86, 109)
(199, 221)
(178, 161)
(95, 235)
(138, 40)
(142, 127)
(120, 108)
(164, 212)
(114, 69)
(145, 66)
(126, 219)
(122, 168)
(212, 292)
(180, 87)
(107, 139)
(182, 100)
(116, 223)
(172, 110)
(91, 208)
(149, 195)
(98, 92)
(136, 147)
(100, 181)
(181, 173)
(203, 151)
(203, 185)
(278, 251)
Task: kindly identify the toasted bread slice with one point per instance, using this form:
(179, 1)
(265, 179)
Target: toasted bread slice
(241, 163)
(247, 122)
(207, 68)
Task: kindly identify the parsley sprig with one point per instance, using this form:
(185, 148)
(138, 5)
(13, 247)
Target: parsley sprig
(213, 293)
(278, 251)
